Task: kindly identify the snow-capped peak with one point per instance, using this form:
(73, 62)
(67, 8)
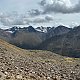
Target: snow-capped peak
(42, 29)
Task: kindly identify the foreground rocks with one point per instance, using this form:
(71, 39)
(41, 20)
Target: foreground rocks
(18, 64)
(37, 66)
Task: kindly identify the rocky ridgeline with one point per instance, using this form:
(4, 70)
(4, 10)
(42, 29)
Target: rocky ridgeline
(18, 64)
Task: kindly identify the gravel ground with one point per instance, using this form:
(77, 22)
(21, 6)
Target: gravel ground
(19, 64)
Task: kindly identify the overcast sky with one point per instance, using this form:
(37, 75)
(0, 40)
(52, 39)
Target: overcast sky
(39, 12)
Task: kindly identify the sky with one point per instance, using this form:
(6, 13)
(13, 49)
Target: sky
(46, 13)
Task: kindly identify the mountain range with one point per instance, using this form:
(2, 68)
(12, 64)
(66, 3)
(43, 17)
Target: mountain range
(61, 40)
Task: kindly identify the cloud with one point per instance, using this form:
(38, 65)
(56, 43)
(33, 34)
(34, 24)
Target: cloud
(46, 19)
(43, 2)
(19, 19)
(56, 6)
(34, 12)
(59, 6)
(47, 7)
(8, 19)
(77, 7)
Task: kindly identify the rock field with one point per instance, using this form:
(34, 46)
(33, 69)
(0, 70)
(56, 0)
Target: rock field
(19, 64)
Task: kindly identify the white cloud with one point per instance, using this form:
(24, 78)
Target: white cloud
(47, 7)
(45, 19)
(17, 19)
(59, 6)
(34, 12)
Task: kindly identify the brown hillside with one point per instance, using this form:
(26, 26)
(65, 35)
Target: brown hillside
(19, 64)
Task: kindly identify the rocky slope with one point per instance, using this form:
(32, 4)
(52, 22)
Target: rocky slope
(19, 64)
(67, 44)
(5, 35)
(27, 37)
(60, 30)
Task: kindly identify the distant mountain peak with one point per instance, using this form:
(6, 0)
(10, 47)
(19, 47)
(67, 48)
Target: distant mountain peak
(31, 29)
(61, 26)
(43, 29)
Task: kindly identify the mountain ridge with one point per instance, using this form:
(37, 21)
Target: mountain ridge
(61, 40)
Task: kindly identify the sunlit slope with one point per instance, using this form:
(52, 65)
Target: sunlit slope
(19, 64)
